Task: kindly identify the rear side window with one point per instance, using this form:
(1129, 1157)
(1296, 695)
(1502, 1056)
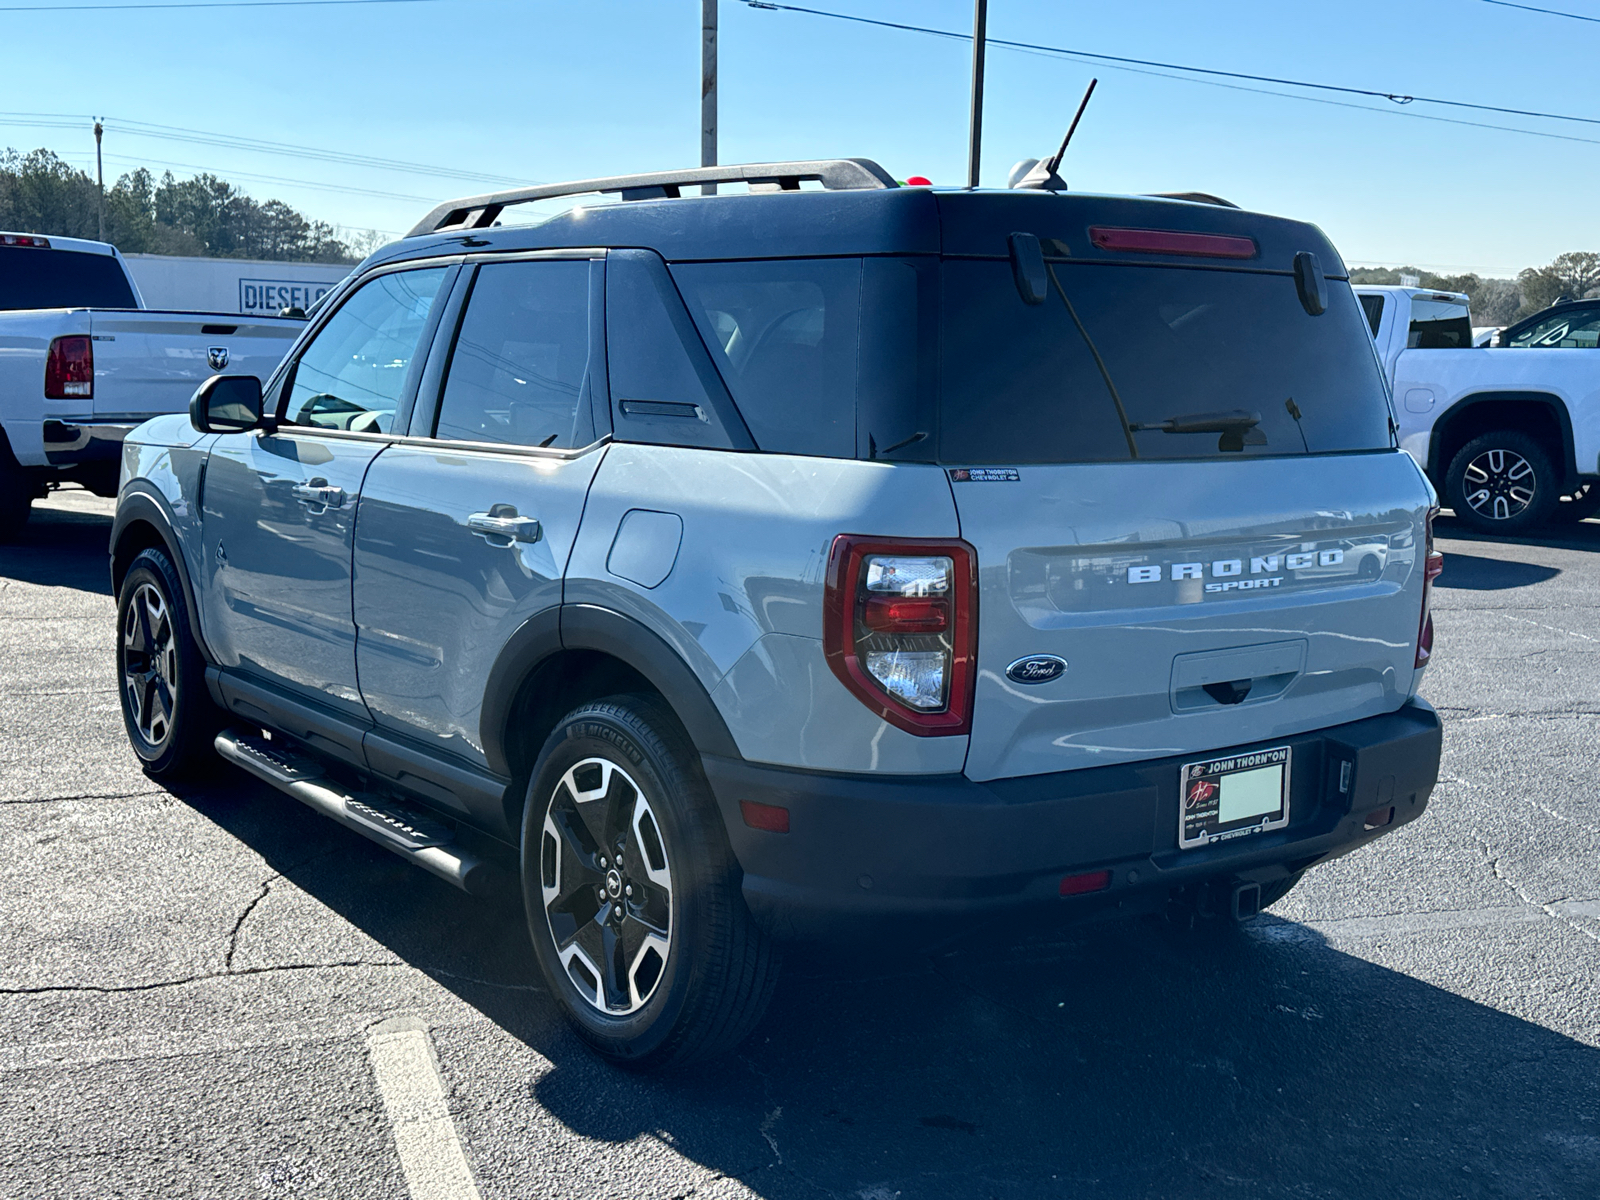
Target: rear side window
(1021, 384)
(1373, 307)
(35, 278)
(1439, 324)
(522, 356)
(786, 335)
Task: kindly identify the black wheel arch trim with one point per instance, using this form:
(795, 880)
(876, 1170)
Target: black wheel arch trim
(141, 503)
(591, 627)
(1568, 463)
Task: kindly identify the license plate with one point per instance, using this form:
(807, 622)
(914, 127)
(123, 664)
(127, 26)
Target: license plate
(1233, 797)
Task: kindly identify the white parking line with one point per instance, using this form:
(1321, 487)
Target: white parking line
(413, 1094)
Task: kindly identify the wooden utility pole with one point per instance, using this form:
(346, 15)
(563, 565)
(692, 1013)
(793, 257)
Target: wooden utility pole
(100, 178)
(708, 90)
(980, 40)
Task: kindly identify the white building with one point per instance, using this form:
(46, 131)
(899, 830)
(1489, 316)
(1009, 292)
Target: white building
(242, 285)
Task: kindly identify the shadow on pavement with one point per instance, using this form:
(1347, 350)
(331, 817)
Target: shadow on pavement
(1473, 573)
(61, 546)
(1119, 1060)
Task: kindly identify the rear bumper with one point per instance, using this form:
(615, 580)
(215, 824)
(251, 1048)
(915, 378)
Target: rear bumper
(864, 853)
(73, 443)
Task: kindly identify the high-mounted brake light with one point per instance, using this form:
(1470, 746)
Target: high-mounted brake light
(69, 369)
(900, 628)
(919, 181)
(1432, 566)
(1172, 241)
(24, 239)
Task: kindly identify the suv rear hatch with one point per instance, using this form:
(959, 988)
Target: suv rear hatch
(1178, 470)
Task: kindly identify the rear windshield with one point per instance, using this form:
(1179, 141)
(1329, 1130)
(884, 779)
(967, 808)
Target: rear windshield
(35, 278)
(1439, 324)
(1177, 346)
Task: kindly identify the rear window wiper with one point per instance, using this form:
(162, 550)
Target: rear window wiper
(1237, 427)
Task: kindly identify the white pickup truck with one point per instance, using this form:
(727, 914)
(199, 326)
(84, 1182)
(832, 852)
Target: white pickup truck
(82, 362)
(1510, 436)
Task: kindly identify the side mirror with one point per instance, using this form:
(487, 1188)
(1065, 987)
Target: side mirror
(227, 404)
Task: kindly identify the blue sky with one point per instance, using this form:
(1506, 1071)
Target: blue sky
(537, 90)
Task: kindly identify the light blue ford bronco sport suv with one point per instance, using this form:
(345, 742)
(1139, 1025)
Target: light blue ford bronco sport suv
(830, 558)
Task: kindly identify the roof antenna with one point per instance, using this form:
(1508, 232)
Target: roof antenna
(1041, 176)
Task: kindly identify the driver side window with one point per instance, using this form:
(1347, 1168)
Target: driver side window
(354, 372)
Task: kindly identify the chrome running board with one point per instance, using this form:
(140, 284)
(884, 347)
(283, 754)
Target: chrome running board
(394, 826)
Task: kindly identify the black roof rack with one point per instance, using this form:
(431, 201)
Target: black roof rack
(835, 174)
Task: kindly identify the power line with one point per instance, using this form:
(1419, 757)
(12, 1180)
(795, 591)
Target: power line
(178, 133)
(232, 174)
(1549, 12)
(54, 8)
(1065, 52)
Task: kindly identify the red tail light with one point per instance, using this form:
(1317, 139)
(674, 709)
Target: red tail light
(1172, 241)
(69, 369)
(24, 239)
(1432, 565)
(900, 629)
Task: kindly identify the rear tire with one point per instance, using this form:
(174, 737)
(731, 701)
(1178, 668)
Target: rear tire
(633, 893)
(16, 503)
(1503, 483)
(166, 707)
(1272, 892)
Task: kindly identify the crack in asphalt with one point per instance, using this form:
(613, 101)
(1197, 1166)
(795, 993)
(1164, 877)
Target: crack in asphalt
(85, 796)
(233, 935)
(1550, 909)
(185, 981)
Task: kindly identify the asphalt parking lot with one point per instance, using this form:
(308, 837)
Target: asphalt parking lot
(194, 985)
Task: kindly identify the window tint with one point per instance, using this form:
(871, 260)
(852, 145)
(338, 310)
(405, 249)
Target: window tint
(1373, 307)
(35, 278)
(785, 334)
(1439, 325)
(517, 374)
(1020, 384)
(664, 388)
(354, 372)
(1578, 329)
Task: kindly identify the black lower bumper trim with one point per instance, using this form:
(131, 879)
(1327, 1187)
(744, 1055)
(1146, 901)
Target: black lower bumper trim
(863, 851)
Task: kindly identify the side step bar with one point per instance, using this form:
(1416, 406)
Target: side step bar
(407, 832)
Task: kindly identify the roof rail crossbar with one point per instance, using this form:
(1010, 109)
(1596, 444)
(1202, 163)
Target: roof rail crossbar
(835, 174)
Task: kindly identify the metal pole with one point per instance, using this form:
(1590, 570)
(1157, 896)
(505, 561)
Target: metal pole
(708, 90)
(100, 179)
(980, 39)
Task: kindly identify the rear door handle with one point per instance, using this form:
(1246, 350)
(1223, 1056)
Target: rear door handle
(315, 493)
(502, 521)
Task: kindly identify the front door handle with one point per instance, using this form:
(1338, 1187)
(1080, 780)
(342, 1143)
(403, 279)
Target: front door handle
(502, 521)
(315, 493)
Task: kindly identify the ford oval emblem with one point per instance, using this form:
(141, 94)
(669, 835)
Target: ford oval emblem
(1037, 668)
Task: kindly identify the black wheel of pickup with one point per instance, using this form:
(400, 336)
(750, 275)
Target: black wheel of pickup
(16, 502)
(169, 715)
(1577, 506)
(633, 894)
(1502, 482)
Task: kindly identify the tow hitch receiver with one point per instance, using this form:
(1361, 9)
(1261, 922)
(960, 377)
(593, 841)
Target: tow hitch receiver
(1245, 902)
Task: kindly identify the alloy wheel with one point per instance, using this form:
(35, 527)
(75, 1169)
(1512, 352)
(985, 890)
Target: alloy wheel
(606, 886)
(1499, 484)
(150, 664)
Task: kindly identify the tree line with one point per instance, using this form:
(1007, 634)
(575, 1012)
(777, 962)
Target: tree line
(206, 215)
(1572, 276)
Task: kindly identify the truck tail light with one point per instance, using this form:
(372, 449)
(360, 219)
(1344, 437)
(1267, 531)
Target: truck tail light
(1433, 564)
(900, 629)
(69, 369)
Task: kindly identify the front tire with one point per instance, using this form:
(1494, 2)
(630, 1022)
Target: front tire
(633, 894)
(169, 715)
(1503, 483)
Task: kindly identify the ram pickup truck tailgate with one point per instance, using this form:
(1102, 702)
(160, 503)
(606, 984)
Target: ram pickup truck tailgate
(1197, 605)
(149, 363)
